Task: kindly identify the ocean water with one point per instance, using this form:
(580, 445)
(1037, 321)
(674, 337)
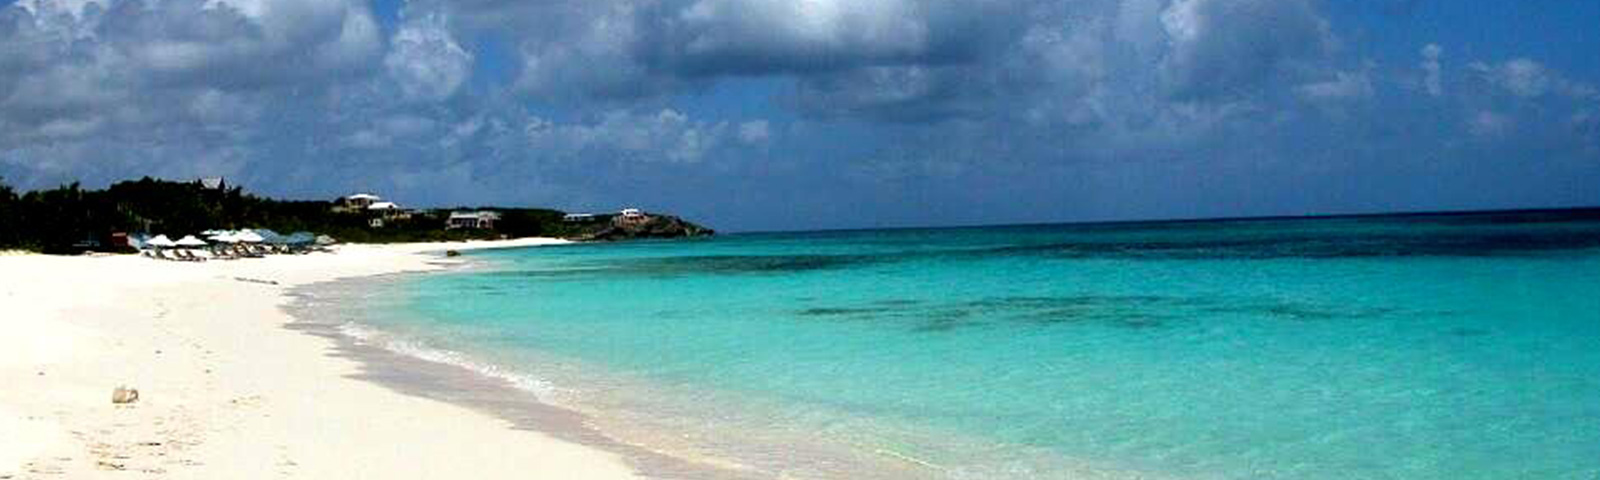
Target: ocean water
(1425, 347)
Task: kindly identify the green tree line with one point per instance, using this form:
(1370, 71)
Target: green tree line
(70, 218)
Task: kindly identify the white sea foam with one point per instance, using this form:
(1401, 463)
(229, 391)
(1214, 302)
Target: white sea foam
(356, 331)
(367, 335)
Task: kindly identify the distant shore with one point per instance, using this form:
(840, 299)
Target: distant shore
(224, 390)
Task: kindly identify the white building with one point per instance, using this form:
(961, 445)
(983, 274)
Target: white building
(483, 220)
(380, 212)
(359, 201)
(213, 183)
(630, 216)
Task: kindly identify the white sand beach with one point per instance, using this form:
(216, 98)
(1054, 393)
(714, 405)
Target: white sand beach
(225, 390)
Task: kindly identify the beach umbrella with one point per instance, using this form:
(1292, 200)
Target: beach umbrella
(223, 237)
(300, 238)
(161, 241)
(248, 236)
(190, 241)
(271, 237)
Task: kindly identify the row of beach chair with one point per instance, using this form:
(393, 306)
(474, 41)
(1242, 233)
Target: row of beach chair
(229, 252)
(174, 255)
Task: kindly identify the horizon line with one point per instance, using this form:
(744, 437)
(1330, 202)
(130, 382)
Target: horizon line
(1180, 220)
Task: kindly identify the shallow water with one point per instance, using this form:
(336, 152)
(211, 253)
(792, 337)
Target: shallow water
(1456, 347)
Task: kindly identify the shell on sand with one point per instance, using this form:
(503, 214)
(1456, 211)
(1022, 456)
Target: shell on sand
(124, 395)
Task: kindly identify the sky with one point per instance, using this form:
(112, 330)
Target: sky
(809, 114)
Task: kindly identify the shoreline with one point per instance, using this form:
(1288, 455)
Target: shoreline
(229, 388)
(440, 375)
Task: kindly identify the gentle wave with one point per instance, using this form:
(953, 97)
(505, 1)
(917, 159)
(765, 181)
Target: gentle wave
(367, 335)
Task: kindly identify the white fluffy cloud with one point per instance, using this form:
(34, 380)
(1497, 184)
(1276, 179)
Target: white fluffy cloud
(426, 61)
(83, 81)
(91, 59)
(764, 36)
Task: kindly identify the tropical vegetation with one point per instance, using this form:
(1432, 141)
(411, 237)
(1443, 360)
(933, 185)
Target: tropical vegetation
(70, 218)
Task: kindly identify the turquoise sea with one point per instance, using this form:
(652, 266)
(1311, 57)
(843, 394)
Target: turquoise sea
(1407, 347)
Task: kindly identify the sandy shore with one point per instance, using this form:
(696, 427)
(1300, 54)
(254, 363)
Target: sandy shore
(225, 390)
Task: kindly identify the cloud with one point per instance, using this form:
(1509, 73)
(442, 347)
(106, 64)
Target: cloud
(426, 61)
(755, 132)
(1585, 127)
(597, 58)
(611, 50)
(1344, 86)
(182, 48)
(1526, 78)
(242, 45)
(386, 131)
(1431, 70)
(666, 135)
(1521, 77)
(1057, 61)
(912, 61)
(1139, 24)
(81, 81)
(1230, 48)
(758, 37)
(1489, 124)
(901, 94)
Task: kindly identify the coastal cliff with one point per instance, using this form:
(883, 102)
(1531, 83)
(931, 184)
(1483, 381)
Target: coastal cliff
(647, 226)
